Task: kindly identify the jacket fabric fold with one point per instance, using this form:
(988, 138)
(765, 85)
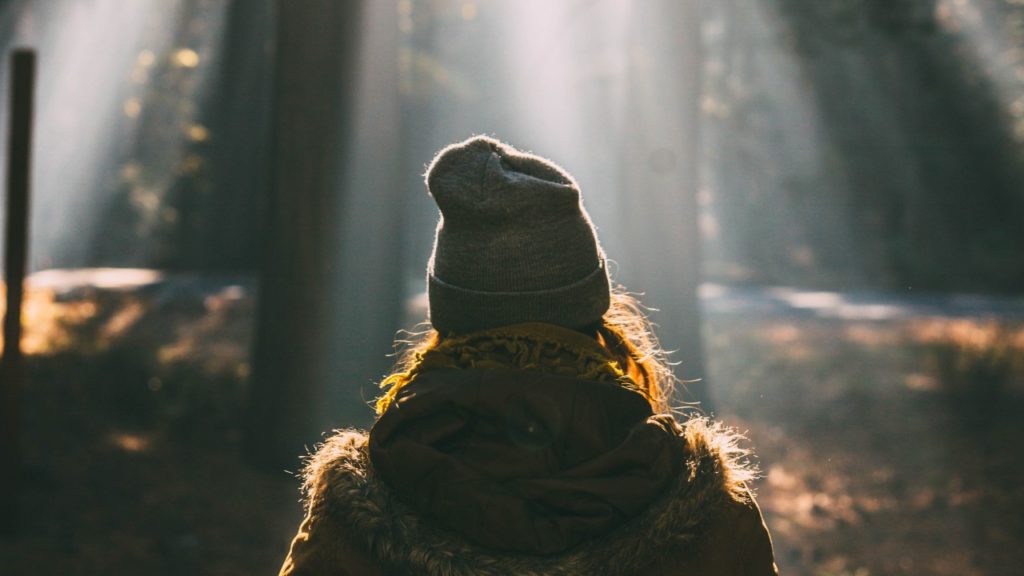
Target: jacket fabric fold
(500, 472)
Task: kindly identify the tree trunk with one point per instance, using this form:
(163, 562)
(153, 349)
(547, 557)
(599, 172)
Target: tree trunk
(315, 47)
(238, 114)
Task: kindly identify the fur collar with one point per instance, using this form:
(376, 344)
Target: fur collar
(340, 481)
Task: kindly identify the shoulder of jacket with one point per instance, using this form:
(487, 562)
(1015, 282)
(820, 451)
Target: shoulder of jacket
(339, 481)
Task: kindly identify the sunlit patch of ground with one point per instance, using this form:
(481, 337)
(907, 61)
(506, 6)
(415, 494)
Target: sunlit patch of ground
(133, 431)
(888, 446)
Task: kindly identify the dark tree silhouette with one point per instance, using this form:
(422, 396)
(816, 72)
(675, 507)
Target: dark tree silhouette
(316, 41)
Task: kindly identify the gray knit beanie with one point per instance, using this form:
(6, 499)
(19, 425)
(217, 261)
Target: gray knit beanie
(514, 243)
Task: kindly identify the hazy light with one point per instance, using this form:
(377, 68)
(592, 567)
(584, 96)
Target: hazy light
(186, 58)
(813, 299)
(132, 107)
(198, 133)
(869, 312)
(122, 321)
(97, 62)
(130, 442)
(146, 58)
(102, 278)
(995, 43)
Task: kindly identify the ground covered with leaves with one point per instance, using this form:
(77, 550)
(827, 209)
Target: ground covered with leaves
(888, 445)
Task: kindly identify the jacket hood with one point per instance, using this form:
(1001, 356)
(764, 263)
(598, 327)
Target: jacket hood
(499, 471)
(523, 462)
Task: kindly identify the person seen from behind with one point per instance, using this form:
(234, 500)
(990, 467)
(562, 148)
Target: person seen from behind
(530, 431)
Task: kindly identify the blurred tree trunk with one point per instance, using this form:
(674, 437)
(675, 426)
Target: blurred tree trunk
(315, 47)
(871, 144)
(660, 154)
(230, 215)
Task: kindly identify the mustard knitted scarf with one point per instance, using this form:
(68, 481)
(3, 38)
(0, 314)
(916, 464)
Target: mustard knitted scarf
(531, 346)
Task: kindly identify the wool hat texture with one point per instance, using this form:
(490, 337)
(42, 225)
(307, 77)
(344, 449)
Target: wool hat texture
(514, 243)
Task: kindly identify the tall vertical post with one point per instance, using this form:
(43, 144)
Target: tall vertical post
(19, 152)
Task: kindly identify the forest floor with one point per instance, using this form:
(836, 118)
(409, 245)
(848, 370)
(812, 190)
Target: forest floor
(887, 429)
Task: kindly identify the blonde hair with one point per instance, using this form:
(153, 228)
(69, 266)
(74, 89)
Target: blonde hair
(624, 332)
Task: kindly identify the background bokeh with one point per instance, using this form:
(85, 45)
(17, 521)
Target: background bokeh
(822, 201)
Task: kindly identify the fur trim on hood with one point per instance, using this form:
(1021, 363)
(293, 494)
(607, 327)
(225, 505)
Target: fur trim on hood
(340, 481)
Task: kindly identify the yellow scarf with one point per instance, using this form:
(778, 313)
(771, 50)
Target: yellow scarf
(532, 346)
